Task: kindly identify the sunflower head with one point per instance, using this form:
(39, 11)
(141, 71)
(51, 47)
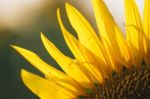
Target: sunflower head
(107, 64)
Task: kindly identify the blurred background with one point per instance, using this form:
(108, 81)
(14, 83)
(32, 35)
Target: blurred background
(21, 22)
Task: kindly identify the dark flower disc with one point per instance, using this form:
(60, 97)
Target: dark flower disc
(130, 84)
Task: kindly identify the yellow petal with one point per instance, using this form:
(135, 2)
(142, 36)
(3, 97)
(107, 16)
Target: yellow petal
(73, 70)
(146, 25)
(48, 70)
(109, 31)
(82, 54)
(124, 53)
(133, 22)
(134, 32)
(104, 20)
(43, 87)
(111, 62)
(86, 34)
(147, 18)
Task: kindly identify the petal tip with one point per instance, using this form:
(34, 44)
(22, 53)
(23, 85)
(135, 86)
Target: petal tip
(15, 47)
(67, 5)
(58, 10)
(24, 73)
(69, 8)
(42, 36)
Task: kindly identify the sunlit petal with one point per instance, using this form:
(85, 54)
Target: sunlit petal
(81, 53)
(48, 70)
(67, 64)
(86, 34)
(43, 87)
(134, 31)
(146, 26)
(109, 31)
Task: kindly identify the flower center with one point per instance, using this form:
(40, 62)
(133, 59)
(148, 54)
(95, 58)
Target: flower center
(131, 84)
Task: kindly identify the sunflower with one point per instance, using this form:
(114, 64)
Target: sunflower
(106, 65)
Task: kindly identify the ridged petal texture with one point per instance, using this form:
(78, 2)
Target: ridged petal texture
(97, 55)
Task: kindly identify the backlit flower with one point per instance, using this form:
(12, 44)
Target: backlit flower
(106, 65)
